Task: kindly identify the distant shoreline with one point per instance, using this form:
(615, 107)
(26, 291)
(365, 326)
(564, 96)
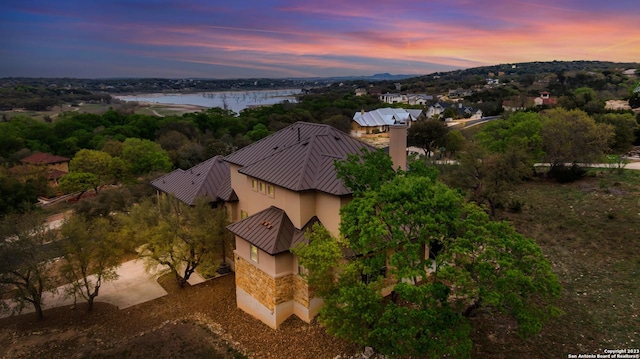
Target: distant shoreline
(235, 101)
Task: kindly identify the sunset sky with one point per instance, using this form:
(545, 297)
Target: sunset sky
(285, 38)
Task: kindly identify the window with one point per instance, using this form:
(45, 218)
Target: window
(262, 187)
(302, 271)
(243, 214)
(254, 253)
(271, 191)
(254, 185)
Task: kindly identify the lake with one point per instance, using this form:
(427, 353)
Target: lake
(232, 100)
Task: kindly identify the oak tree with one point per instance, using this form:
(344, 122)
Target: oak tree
(419, 261)
(26, 257)
(91, 255)
(179, 237)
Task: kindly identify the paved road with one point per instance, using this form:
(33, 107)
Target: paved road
(134, 286)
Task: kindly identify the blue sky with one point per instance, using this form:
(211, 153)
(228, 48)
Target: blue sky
(283, 38)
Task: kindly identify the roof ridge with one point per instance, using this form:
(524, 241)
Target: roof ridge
(208, 172)
(283, 217)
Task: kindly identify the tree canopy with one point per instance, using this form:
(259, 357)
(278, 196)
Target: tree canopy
(573, 137)
(26, 257)
(178, 237)
(421, 261)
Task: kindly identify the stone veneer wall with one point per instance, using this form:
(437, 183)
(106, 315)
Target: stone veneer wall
(300, 291)
(272, 292)
(255, 282)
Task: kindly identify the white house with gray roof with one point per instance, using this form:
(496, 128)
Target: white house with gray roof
(379, 120)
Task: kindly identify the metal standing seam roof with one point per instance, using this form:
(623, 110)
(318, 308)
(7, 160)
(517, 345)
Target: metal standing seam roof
(271, 230)
(299, 163)
(386, 116)
(210, 179)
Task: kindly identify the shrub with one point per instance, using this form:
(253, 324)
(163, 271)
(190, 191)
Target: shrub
(564, 174)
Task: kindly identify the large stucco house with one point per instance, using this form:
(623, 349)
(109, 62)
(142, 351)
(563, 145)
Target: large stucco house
(277, 188)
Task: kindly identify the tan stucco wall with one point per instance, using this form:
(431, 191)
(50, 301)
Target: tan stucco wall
(299, 206)
(327, 208)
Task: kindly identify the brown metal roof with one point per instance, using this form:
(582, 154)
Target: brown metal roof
(299, 157)
(43, 159)
(209, 179)
(270, 230)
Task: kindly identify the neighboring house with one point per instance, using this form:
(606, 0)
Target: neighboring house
(418, 99)
(361, 92)
(410, 99)
(380, 120)
(48, 160)
(545, 99)
(462, 111)
(460, 92)
(516, 104)
(54, 167)
(519, 103)
(617, 105)
(391, 98)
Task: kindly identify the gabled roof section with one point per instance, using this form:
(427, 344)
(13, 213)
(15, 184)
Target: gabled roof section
(210, 179)
(299, 163)
(44, 159)
(271, 230)
(386, 117)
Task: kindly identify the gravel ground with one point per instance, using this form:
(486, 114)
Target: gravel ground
(198, 321)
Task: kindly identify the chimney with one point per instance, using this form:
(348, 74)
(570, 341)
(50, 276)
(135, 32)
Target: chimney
(398, 146)
(362, 111)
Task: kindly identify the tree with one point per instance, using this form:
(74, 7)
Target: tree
(259, 131)
(624, 127)
(179, 237)
(427, 134)
(365, 171)
(145, 156)
(634, 96)
(573, 137)
(91, 255)
(95, 162)
(454, 141)
(521, 131)
(488, 177)
(26, 256)
(422, 262)
(79, 182)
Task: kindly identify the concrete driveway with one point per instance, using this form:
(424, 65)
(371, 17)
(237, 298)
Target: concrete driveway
(134, 286)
